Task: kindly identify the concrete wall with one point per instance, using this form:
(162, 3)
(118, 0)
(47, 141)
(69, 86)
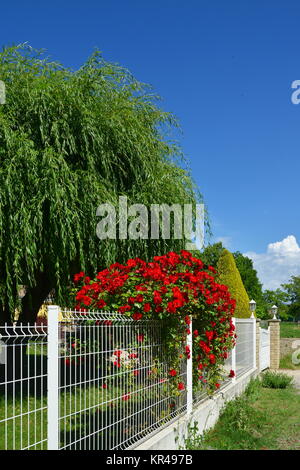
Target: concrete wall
(286, 346)
(206, 414)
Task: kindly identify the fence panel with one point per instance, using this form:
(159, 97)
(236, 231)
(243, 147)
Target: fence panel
(114, 386)
(23, 387)
(245, 345)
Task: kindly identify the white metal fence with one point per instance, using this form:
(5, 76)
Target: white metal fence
(23, 387)
(95, 381)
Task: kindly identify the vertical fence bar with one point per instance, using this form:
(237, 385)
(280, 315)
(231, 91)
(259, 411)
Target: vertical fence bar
(233, 355)
(189, 370)
(52, 384)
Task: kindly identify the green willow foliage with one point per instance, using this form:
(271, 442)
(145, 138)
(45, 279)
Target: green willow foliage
(70, 140)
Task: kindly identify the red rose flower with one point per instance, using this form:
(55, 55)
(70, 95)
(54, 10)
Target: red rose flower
(188, 352)
(137, 316)
(172, 372)
(157, 299)
(204, 347)
(171, 308)
(78, 276)
(124, 308)
(181, 386)
(139, 298)
(209, 335)
(101, 303)
(212, 358)
(132, 356)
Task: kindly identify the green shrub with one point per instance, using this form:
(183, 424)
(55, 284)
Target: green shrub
(276, 380)
(229, 275)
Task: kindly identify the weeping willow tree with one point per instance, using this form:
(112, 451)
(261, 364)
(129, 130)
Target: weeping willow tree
(69, 141)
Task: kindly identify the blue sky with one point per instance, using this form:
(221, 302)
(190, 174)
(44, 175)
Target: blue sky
(225, 69)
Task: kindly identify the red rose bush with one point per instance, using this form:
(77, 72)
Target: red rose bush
(181, 292)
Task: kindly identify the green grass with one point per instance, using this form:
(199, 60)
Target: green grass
(286, 363)
(24, 430)
(23, 416)
(289, 330)
(87, 405)
(262, 418)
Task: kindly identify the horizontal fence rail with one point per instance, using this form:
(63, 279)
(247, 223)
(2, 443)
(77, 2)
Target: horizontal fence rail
(96, 380)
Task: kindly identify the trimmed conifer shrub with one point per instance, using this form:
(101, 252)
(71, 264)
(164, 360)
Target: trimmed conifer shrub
(229, 275)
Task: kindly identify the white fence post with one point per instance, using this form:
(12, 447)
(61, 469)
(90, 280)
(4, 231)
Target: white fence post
(254, 342)
(189, 370)
(52, 384)
(233, 355)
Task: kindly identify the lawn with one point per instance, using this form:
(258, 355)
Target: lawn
(261, 419)
(289, 330)
(83, 412)
(96, 413)
(286, 363)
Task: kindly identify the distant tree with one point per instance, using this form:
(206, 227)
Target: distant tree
(210, 254)
(276, 297)
(229, 275)
(250, 279)
(292, 290)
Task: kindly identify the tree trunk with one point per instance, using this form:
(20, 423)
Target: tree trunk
(5, 315)
(34, 298)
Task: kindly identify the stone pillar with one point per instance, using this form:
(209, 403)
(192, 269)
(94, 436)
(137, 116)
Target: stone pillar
(274, 326)
(258, 344)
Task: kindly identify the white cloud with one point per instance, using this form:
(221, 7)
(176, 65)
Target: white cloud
(278, 264)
